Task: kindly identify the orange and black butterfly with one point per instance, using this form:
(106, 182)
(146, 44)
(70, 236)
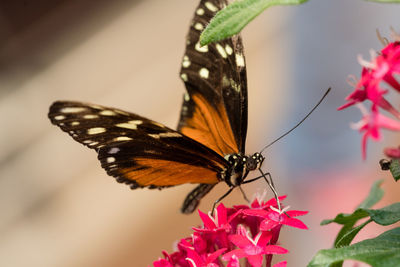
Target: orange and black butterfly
(209, 145)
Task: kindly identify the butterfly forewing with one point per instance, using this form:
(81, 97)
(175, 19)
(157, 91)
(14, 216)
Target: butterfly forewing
(136, 150)
(213, 122)
(214, 111)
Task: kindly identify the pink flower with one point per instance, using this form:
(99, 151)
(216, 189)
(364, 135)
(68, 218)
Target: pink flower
(392, 152)
(368, 88)
(388, 64)
(205, 260)
(370, 125)
(382, 68)
(219, 221)
(233, 262)
(237, 232)
(162, 263)
(252, 249)
(281, 264)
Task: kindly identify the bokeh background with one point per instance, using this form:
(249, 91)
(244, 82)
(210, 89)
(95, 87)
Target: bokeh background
(59, 208)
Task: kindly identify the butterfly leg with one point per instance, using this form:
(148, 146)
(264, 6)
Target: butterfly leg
(221, 198)
(244, 194)
(252, 180)
(192, 200)
(271, 185)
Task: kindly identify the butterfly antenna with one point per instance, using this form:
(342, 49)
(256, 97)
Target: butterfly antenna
(300, 122)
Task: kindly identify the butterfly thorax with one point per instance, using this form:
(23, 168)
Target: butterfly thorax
(240, 166)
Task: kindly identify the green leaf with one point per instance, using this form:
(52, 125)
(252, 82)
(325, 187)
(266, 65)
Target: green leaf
(387, 215)
(375, 194)
(348, 236)
(343, 218)
(348, 221)
(382, 251)
(395, 166)
(347, 233)
(232, 19)
(384, 1)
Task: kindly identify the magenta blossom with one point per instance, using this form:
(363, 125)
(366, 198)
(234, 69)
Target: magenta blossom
(253, 249)
(384, 68)
(246, 232)
(370, 126)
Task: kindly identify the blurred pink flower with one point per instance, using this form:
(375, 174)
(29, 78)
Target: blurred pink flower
(370, 125)
(382, 68)
(392, 152)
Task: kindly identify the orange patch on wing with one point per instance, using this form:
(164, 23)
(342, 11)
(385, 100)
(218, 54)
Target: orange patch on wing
(166, 173)
(211, 127)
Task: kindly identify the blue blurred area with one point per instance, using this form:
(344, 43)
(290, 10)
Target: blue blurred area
(327, 37)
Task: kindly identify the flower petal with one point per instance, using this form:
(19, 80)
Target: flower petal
(295, 223)
(281, 264)
(255, 260)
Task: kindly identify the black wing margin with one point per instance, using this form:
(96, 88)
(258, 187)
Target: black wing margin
(215, 74)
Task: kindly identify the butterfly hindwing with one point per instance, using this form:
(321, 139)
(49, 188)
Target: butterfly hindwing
(214, 110)
(136, 150)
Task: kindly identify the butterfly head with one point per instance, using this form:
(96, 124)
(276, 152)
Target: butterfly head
(254, 162)
(241, 165)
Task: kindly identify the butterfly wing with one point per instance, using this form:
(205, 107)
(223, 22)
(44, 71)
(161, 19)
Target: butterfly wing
(214, 110)
(136, 150)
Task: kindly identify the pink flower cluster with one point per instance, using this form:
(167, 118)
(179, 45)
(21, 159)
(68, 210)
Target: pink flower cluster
(383, 67)
(230, 234)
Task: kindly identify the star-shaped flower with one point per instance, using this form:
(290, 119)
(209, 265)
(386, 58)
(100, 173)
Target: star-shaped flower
(252, 249)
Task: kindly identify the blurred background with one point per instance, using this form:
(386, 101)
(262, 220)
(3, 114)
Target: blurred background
(59, 208)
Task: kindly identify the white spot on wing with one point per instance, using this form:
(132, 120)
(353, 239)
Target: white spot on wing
(107, 113)
(93, 144)
(122, 138)
(90, 116)
(228, 49)
(204, 73)
(87, 141)
(201, 49)
(59, 117)
(121, 112)
(75, 123)
(96, 106)
(185, 61)
(200, 11)
(186, 96)
(162, 135)
(184, 77)
(158, 124)
(113, 150)
(234, 85)
(225, 81)
(198, 26)
(211, 6)
(130, 124)
(239, 60)
(221, 50)
(72, 109)
(110, 159)
(96, 130)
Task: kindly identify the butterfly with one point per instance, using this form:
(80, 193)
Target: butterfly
(208, 146)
